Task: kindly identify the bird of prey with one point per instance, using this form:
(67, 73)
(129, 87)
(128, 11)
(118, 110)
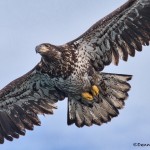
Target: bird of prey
(74, 71)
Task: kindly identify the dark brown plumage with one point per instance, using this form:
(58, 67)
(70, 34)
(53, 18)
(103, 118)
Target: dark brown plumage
(73, 70)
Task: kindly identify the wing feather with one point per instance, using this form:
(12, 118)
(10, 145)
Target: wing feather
(22, 100)
(117, 35)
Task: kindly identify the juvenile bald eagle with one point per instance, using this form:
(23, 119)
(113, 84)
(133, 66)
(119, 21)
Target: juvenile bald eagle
(73, 70)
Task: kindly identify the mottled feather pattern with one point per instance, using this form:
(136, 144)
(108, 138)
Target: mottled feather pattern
(62, 67)
(20, 103)
(113, 92)
(118, 34)
(72, 69)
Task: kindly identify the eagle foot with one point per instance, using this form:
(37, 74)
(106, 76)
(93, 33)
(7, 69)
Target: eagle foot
(95, 90)
(89, 96)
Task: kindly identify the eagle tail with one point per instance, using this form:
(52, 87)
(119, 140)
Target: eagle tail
(113, 91)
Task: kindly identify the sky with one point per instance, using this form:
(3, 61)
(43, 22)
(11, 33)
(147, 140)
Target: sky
(25, 24)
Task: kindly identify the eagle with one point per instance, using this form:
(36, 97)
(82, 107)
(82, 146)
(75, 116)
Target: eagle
(74, 71)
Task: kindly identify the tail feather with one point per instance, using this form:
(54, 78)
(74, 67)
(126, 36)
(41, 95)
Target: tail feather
(113, 92)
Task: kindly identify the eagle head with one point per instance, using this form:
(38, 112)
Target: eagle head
(48, 51)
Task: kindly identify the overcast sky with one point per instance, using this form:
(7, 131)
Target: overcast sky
(27, 23)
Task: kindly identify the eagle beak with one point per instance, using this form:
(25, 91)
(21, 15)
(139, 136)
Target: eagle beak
(37, 49)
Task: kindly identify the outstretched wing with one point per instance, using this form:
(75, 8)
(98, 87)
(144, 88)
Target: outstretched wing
(22, 100)
(117, 35)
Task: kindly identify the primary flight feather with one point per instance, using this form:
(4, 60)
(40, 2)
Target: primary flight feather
(73, 70)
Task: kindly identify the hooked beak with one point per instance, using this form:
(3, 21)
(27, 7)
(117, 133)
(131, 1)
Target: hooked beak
(37, 49)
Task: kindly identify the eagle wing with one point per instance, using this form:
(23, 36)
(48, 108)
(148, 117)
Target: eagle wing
(21, 101)
(117, 35)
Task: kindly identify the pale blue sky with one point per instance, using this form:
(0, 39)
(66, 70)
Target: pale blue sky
(25, 24)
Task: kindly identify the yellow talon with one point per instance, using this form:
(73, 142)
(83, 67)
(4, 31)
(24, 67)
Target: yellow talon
(87, 96)
(95, 90)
